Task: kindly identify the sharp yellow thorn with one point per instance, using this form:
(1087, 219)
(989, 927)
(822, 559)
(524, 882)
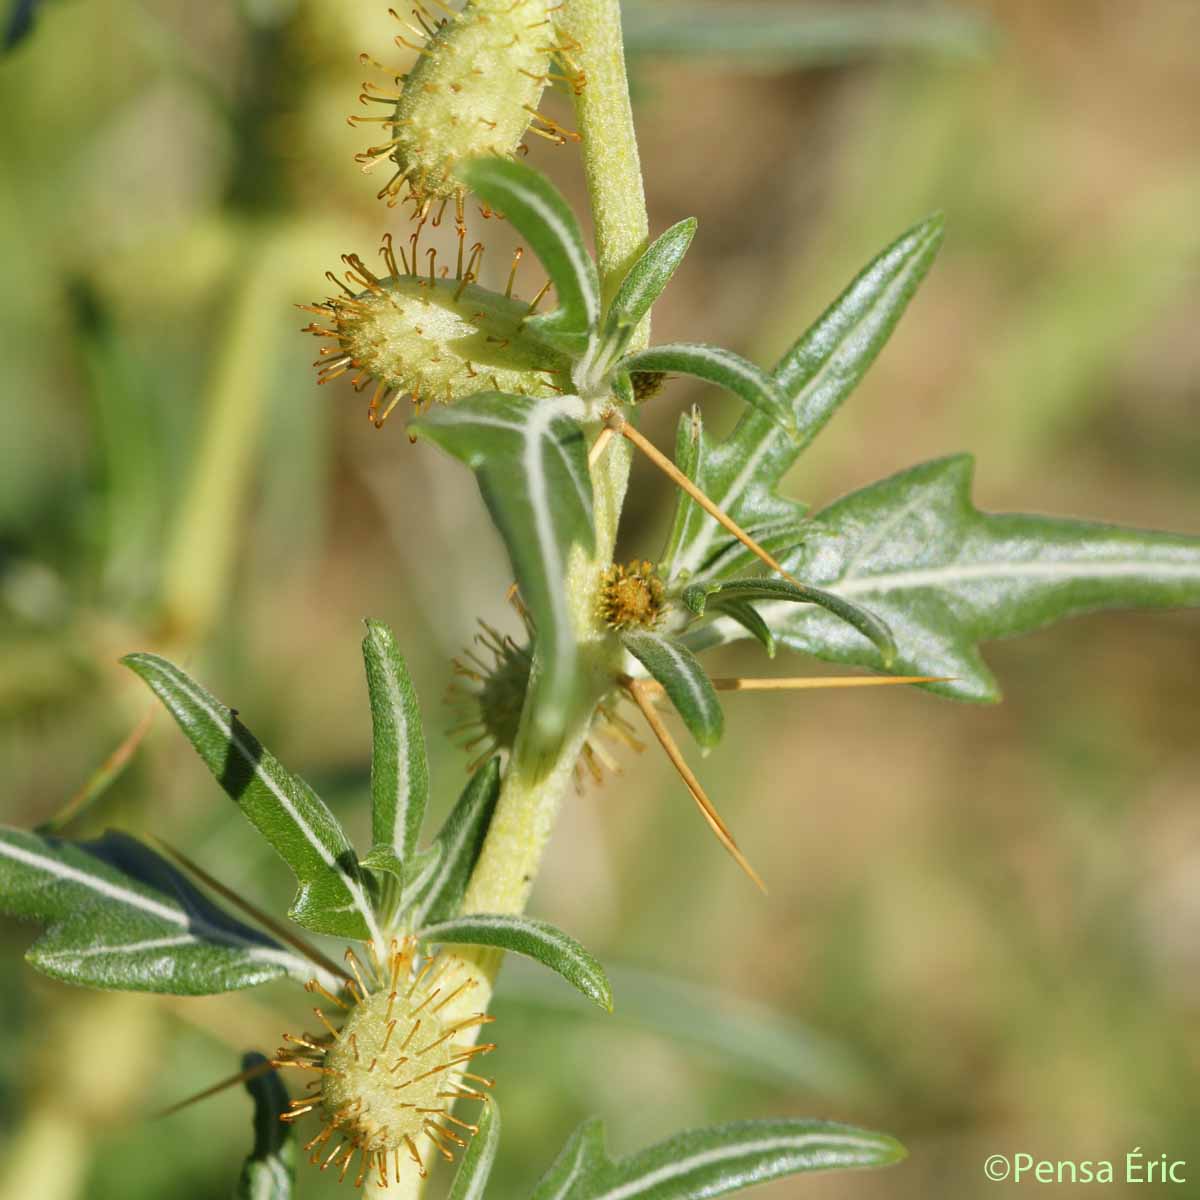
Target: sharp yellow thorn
(618, 423)
(600, 445)
(805, 683)
(637, 691)
(264, 919)
(240, 1077)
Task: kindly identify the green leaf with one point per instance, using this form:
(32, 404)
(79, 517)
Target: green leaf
(683, 679)
(699, 596)
(538, 212)
(946, 577)
(535, 939)
(777, 37)
(530, 459)
(120, 916)
(332, 897)
(710, 1162)
(269, 1172)
(434, 890)
(399, 768)
(646, 279)
(471, 1179)
(724, 368)
(741, 473)
(746, 615)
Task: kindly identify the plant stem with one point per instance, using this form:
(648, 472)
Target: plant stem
(536, 781)
(610, 154)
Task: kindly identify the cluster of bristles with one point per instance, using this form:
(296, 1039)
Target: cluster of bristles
(389, 1076)
(376, 336)
(632, 596)
(491, 695)
(473, 90)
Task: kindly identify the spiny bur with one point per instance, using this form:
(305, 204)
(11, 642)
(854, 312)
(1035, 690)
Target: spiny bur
(385, 1081)
(473, 91)
(489, 697)
(428, 337)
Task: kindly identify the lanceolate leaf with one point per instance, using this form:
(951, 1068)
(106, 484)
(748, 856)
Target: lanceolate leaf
(530, 458)
(399, 768)
(746, 615)
(710, 1162)
(435, 889)
(817, 374)
(648, 277)
(120, 916)
(269, 1171)
(702, 596)
(533, 938)
(539, 213)
(683, 679)
(726, 370)
(285, 810)
(946, 577)
(470, 1183)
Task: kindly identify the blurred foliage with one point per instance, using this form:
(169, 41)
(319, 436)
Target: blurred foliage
(988, 919)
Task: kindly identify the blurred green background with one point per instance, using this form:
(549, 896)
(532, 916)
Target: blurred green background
(983, 931)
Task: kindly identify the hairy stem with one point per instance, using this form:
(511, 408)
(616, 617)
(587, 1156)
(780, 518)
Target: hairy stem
(605, 119)
(536, 780)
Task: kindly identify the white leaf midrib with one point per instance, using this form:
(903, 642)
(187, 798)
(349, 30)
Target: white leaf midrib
(707, 1158)
(699, 547)
(352, 887)
(132, 899)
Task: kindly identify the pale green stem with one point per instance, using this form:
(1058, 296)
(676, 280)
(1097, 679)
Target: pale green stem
(605, 120)
(536, 779)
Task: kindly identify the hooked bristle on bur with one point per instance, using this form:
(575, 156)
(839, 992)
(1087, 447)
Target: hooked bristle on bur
(473, 90)
(386, 1080)
(428, 337)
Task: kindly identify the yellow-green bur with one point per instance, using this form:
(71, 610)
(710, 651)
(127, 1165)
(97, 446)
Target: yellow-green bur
(472, 92)
(385, 1090)
(440, 340)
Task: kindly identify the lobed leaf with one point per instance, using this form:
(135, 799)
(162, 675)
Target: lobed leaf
(817, 374)
(683, 679)
(535, 939)
(269, 1172)
(537, 210)
(399, 766)
(704, 1163)
(646, 279)
(434, 888)
(724, 368)
(470, 1181)
(332, 897)
(739, 592)
(530, 460)
(945, 576)
(120, 916)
